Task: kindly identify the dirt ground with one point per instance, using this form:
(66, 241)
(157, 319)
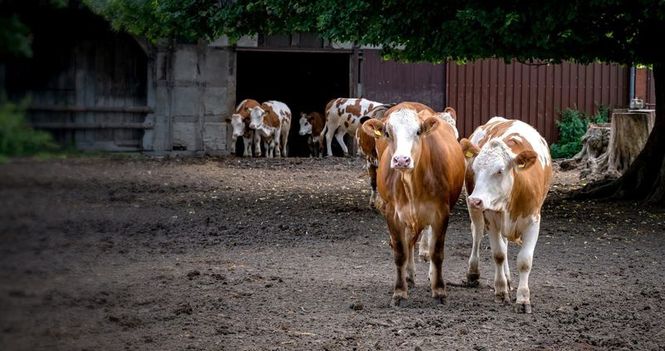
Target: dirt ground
(255, 254)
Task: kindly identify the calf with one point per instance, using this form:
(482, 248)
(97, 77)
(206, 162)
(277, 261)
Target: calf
(271, 121)
(311, 125)
(508, 175)
(240, 122)
(419, 179)
(343, 116)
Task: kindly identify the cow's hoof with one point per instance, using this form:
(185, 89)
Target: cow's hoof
(397, 301)
(410, 282)
(502, 298)
(439, 300)
(472, 280)
(522, 308)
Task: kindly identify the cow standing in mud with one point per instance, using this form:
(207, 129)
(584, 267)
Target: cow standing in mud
(272, 122)
(311, 126)
(508, 176)
(240, 121)
(419, 178)
(343, 116)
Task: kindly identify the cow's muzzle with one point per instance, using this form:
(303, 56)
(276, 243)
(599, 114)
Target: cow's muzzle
(401, 162)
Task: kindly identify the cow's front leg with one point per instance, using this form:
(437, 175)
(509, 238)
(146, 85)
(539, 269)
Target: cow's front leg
(276, 143)
(524, 263)
(499, 252)
(477, 227)
(400, 247)
(411, 264)
(247, 144)
(329, 133)
(436, 259)
(257, 144)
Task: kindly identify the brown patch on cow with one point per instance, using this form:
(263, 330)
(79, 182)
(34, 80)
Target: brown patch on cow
(408, 105)
(494, 130)
(271, 118)
(354, 109)
(243, 108)
(317, 121)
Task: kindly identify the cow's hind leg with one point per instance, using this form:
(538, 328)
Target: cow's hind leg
(423, 249)
(329, 133)
(524, 262)
(477, 227)
(371, 171)
(436, 260)
(339, 136)
(411, 265)
(499, 252)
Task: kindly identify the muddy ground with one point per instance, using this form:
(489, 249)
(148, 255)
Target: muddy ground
(255, 254)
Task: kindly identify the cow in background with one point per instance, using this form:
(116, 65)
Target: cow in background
(419, 179)
(509, 170)
(272, 122)
(240, 121)
(311, 126)
(343, 117)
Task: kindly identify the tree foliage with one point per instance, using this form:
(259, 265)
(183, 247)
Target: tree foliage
(419, 30)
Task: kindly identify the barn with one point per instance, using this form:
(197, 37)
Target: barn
(97, 89)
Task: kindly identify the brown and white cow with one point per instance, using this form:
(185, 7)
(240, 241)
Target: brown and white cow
(419, 179)
(272, 122)
(311, 126)
(240, 122)
(508, 175)
(367, 148)
(344, 116)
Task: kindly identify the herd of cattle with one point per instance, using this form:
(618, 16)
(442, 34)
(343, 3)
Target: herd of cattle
(419, 167)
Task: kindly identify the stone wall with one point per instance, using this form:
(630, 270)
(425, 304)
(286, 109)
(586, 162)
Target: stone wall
(192, 91)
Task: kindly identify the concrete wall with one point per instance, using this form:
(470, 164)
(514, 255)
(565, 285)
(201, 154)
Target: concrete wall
(191, 89)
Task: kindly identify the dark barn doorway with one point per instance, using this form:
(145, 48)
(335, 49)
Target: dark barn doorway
(304, 81)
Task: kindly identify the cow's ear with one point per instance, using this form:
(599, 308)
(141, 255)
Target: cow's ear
(373, 127)
(469, 150)
(429, 125)
(452, 112)
(525, 159)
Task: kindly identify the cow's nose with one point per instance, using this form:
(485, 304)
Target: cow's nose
(401, 161)
(252, 125)
(476, 202)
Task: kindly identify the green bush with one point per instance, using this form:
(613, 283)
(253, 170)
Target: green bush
(572, 126)
(17, 138)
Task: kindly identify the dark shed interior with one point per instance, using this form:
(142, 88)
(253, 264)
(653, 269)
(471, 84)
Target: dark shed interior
(304, 81)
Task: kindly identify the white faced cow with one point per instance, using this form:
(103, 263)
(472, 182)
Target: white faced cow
(311, 126)
(344, 116)
(271, 121)
(419, 178)
(508, 175)
(240, 122)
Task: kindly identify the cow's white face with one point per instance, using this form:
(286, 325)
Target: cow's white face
(493, 177)
(256, 117)
(494, 174)
(305, 126)
(238, 126)
(405, 131)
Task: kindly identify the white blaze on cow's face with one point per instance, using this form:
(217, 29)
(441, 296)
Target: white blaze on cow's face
(238, 126)
(493, 177)
(256, 117)
(405, 130)
(305, 126)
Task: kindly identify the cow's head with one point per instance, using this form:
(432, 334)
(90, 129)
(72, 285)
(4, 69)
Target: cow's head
(493, 170)
(305, 124)
(256, 114)
(404, 130)
(238, 124)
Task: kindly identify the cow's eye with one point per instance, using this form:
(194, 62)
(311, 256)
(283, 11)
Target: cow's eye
(418, 132)
(385, 132)
(499, 172)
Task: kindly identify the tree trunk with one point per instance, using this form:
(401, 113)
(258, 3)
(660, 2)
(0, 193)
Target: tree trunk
(630, 131)
(645, 178)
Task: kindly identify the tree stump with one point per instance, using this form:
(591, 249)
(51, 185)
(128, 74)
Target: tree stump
(630, 130)
(608, 149)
